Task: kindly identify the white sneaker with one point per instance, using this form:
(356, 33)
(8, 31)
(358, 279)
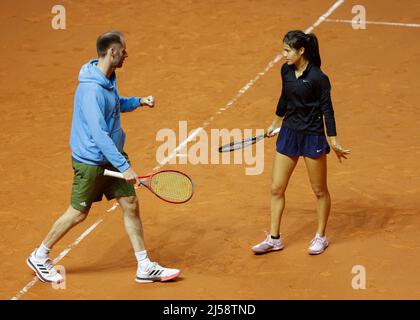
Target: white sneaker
(269, 244)
(318, 244)
(154, 272)
(43, 269)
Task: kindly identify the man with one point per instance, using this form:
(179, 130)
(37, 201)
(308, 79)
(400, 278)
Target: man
(97, 142)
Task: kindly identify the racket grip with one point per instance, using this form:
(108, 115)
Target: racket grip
(114, 174)
(275, 131)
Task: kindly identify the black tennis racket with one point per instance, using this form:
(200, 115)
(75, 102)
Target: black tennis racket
(245, 142)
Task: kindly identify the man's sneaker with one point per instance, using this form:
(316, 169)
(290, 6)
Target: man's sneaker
(44, 269)
(154, 272)
(318, 245)
(268, 245)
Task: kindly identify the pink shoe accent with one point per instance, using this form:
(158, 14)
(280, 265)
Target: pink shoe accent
(173, 276)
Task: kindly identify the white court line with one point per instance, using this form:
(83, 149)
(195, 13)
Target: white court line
(396, 24)
(244, 89)
(63, 254)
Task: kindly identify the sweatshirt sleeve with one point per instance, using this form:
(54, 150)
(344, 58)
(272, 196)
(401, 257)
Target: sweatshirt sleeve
(93, 111)
(129, 104)
(282, 104)
(327, 107)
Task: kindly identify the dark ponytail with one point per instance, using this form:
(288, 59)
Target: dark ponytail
(297, 39)
(313, 53)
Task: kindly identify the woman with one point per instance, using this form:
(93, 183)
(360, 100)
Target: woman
(304, 103)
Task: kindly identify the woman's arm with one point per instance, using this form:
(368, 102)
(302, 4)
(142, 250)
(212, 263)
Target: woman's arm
(281, 105)
(328, 112)
(326, 106)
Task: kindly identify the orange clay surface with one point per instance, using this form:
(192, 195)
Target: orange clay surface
(194, 57)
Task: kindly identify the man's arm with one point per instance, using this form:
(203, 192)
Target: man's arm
(131, 104)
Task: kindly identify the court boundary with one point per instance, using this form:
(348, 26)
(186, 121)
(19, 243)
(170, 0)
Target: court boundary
(383, 23)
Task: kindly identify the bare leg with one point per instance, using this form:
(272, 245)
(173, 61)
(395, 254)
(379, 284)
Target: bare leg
(68, 220)
(317, 172)
(132, 221)
(282, 170)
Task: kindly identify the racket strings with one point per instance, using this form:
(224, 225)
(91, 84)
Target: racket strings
(172, 186)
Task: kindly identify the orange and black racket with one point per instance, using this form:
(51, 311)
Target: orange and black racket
(169, 185)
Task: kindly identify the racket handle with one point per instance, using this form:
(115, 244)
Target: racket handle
(273, 133)
(114, 174)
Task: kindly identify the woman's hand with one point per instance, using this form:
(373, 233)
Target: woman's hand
(274, 125)
(270, 129)
(339, 150)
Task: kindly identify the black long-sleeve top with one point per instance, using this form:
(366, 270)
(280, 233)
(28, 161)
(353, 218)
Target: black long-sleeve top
(305, 100)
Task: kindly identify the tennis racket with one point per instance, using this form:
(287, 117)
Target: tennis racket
(245, 142)
(169, 185)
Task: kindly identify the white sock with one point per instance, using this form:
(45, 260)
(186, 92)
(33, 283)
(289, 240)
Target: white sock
(142, 258)
(318, 235)
(42, 252)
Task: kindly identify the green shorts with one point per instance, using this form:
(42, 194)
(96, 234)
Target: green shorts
(89, 185)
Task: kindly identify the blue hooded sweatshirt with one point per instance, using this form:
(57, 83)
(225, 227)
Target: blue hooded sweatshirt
(96, 135)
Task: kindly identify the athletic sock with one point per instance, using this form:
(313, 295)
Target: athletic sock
(142, 259)
(275, 238)
(42, 252)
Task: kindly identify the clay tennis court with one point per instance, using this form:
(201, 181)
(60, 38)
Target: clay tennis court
(194, 57)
